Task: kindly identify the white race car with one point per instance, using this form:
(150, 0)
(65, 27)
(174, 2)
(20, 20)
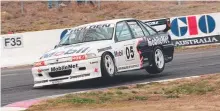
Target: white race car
(103, 49)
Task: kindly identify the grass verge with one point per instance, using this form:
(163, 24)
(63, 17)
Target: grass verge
(138, 95)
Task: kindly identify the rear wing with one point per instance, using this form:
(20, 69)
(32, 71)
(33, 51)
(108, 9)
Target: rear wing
(161, 25)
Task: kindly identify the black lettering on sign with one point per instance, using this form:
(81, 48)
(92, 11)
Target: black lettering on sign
(197, 41)
(7, 41)
(18, 41)
(12, 42)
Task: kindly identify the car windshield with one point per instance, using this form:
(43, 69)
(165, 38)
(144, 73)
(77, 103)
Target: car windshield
(87, 34)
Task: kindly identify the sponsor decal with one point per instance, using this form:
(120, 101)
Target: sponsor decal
(61, 68)
(58, 81)
(139, 52)
(118, 53)
(145, 59)
(192, 24)
(94, 62)
(104, 49)
(128, 67)
(70, 51)
(158, 40)
(78, 76)
(93, 27)
(96, 70)
(80, 57)
(197, 41)
(156, 22)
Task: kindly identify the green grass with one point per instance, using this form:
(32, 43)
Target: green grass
(119, 92)
(104, 98)
(172, 96)
(134, 92)
(139, 98)
(77, 100)
(190, 88)
(140, 85)
(122, 87)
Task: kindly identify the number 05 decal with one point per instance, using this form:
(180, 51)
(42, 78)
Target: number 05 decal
(129, 52)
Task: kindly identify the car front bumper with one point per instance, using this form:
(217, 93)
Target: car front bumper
(66, 72)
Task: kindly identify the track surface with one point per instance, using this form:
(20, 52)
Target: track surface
(17, 83)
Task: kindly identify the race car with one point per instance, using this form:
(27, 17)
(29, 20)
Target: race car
(104, 49)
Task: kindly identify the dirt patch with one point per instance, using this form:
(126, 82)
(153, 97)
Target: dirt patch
(38, 17)
(185, 94)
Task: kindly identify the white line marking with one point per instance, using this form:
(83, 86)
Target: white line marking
(12, 109)
(5, 75)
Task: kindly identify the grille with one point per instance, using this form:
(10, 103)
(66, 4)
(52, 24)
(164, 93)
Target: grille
(60, 73)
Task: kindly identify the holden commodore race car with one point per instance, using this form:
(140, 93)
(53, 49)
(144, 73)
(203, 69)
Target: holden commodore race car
(104, 49)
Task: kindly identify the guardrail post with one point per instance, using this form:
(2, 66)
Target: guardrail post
(22, 7)
(99, 4)
(179, 2)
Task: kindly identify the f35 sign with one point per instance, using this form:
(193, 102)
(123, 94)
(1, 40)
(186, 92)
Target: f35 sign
(12, 41)
(193, 25)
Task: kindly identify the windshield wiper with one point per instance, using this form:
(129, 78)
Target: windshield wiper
(64, 44)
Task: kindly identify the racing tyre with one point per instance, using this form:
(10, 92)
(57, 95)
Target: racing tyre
(157, 62)
(108, 68)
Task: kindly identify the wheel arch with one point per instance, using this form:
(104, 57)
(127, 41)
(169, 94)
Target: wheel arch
(109, 53)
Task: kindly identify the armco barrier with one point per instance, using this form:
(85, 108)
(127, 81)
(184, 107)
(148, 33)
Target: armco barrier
(185, 30)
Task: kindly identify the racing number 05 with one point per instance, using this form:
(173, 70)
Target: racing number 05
(129, 52)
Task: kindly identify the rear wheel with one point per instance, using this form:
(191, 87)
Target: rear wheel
(158, 62)
(107, 66)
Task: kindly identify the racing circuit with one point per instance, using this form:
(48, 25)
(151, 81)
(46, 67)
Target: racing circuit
(17, 83)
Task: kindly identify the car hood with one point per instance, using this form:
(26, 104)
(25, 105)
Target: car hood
(75, 49)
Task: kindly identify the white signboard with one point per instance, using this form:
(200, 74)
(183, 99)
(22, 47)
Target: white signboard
(192, 26)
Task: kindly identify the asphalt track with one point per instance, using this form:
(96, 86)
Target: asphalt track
(16, 84)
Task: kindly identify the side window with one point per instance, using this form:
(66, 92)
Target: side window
(136, 29)
(122, 32)
(146, 33)
(150, 30)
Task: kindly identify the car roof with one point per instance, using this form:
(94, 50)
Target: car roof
(113, 21)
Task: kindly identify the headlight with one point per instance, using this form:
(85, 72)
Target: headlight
(83, 57)
(38, 64)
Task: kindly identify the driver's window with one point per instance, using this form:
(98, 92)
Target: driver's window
(122, 32)
(136, 29)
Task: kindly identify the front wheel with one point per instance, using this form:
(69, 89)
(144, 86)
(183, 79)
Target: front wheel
(107, 66)
(157, 62)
